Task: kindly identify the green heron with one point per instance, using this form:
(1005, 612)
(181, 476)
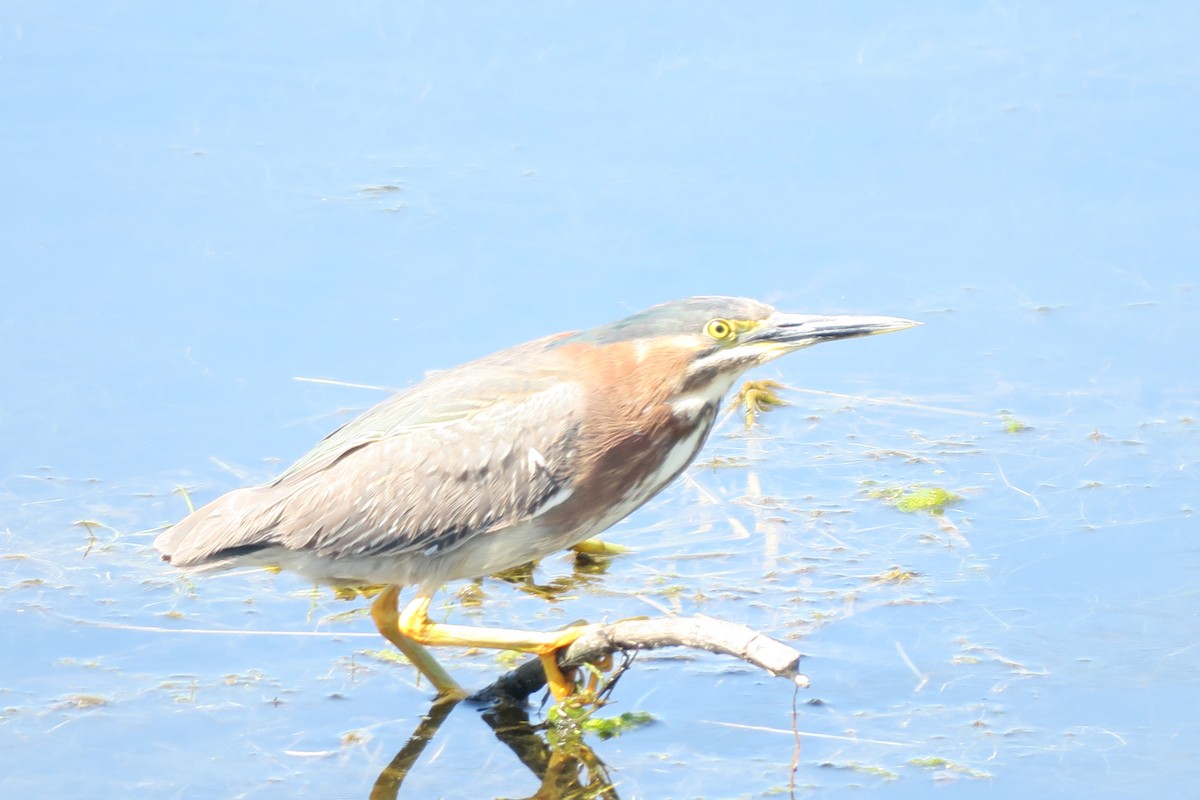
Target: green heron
(500, 462)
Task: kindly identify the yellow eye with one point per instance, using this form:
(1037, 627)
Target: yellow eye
(719, 329)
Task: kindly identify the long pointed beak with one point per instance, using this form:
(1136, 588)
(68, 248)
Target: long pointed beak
(794, 331)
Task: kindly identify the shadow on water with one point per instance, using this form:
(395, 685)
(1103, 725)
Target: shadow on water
(570, 771)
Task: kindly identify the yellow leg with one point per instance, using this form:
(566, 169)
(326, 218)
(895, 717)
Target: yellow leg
(599, 547)
(415, 625)
(385, 611)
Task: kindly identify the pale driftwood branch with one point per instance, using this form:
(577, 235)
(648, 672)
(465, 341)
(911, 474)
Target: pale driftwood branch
(628, 636)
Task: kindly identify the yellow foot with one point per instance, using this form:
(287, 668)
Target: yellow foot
(757, 397)
(561, 685)
(599, 547)
(602, 664)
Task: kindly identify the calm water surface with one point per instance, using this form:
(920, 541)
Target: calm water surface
(204, 205)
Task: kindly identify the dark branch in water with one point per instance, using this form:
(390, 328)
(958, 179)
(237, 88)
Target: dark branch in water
(631, 636)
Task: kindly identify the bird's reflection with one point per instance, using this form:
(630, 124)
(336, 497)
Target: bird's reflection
(566, 771)
(569, 771)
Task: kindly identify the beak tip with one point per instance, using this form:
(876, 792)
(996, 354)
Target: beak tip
(891, 325)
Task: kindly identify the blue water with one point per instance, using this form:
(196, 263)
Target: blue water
(203, 204)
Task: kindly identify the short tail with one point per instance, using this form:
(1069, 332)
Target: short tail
(234, 524)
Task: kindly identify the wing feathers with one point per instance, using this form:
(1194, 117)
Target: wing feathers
(415, 473)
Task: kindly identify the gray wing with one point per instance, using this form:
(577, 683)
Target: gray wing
(425, 470)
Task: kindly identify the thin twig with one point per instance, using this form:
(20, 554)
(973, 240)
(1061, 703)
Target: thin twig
(347, 384)
(886, 401)
(698, 632)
